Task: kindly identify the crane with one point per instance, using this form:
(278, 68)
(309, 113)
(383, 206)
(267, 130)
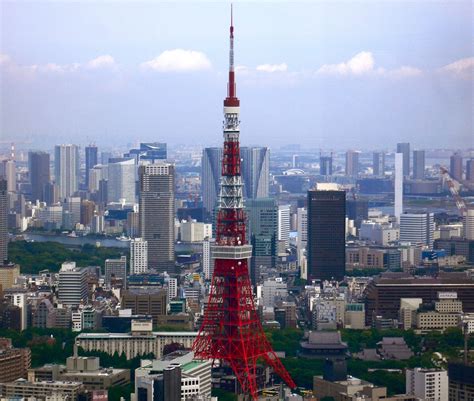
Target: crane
(454, 187)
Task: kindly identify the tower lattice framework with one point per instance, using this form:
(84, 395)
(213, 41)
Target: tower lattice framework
(231, 330)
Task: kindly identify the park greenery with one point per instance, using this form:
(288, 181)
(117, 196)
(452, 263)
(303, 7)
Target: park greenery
(36, 256)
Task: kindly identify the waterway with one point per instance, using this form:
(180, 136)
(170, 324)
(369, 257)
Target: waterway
(76, 241)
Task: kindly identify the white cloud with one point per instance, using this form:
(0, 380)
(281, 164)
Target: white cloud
(283, 67)
(463, 67)
(404, 72)
(361, 63)
(5, 59)
(178, 60)
(105, 61)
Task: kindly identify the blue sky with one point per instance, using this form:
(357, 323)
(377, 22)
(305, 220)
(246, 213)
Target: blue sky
(326, 74)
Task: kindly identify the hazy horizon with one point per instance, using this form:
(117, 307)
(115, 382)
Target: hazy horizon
(328, 75)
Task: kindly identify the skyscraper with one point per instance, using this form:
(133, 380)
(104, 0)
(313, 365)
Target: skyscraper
(263, 230)
(3, 221)
(418, 164)
(122, 178)
(91, 160)
(404, 148)
(325, 165)
(352, 163)
(302, 239)
(284, 225)
(8, 171)
(456, 166)
(38, 167)
(210, 176)
(255, 171)
(378, 163)
(66, 169)
(326, 247)
(138, 256)
(157, 189)
(398, 202)
(470, 170)
(255, 174)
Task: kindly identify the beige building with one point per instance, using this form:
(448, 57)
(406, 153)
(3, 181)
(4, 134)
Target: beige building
(434, 320)
(14, 362)
(22, 388)
(353, 389)
(9, 272)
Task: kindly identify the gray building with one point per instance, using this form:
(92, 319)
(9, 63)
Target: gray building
(66, 169)
(352, 163)
(263, 234)
(116, 270)
(122, 180)
(404, 148)
(378, 163)
(418, 164)
(255, 174)
(72, 287)
(156, 213)
(38, 168)
(91, 160)
(3, 220)
(417, 228)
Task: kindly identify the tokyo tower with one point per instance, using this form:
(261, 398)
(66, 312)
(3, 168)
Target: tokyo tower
(231, 330)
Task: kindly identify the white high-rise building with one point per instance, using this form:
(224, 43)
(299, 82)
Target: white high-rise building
(122, 177)
(66, 169)
(138, 256)
(172, 288)
(427, 384)
(284, 224)
(302, 238)
(417, 228)
(273, 288)
(193, 231)
(398, 210)
(207, 261)
(468, 222)
(72, 287)
(96, 174)
(20, 300)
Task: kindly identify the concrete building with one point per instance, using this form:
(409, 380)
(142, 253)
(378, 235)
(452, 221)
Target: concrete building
(470, 171)
(468, 224)
(255, 171)
(417, 228)
(404, 148)
(325, 165)
(66, 169)
(157, 189)
(195, 374)
(302, 239)
(461, 382)
(39, 172)
(20, 300)
(273, 288)
(3, 221)
(91, 161)
(8, 172)
(121, 180)
(352, 163)
(455, 166)
(427, 384)
(380, 234)
(145, 301)
(9, 272)
(207, 261)
(22, 388)
(354, 316)
(138, 256)
(116, 272)
(14, 362)
(72, 286)
(378, 164)
(134, 343)
(419, 164)
(399, 174)
(351, 389)
(193, 231)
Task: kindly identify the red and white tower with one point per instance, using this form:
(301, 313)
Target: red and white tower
(231, 330)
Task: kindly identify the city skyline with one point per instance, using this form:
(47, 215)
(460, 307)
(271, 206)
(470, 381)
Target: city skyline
(317, 73)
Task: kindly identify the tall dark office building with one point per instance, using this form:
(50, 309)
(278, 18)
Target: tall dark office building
(156, 213)
(91, 160)
(38, 166)
(378, 163)
(405, 149)
(3, 220)
(418, 164)
(263, 234)
(456, 166)
(470, 170)
(357, 210)
(325, 165)
(326, 234)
